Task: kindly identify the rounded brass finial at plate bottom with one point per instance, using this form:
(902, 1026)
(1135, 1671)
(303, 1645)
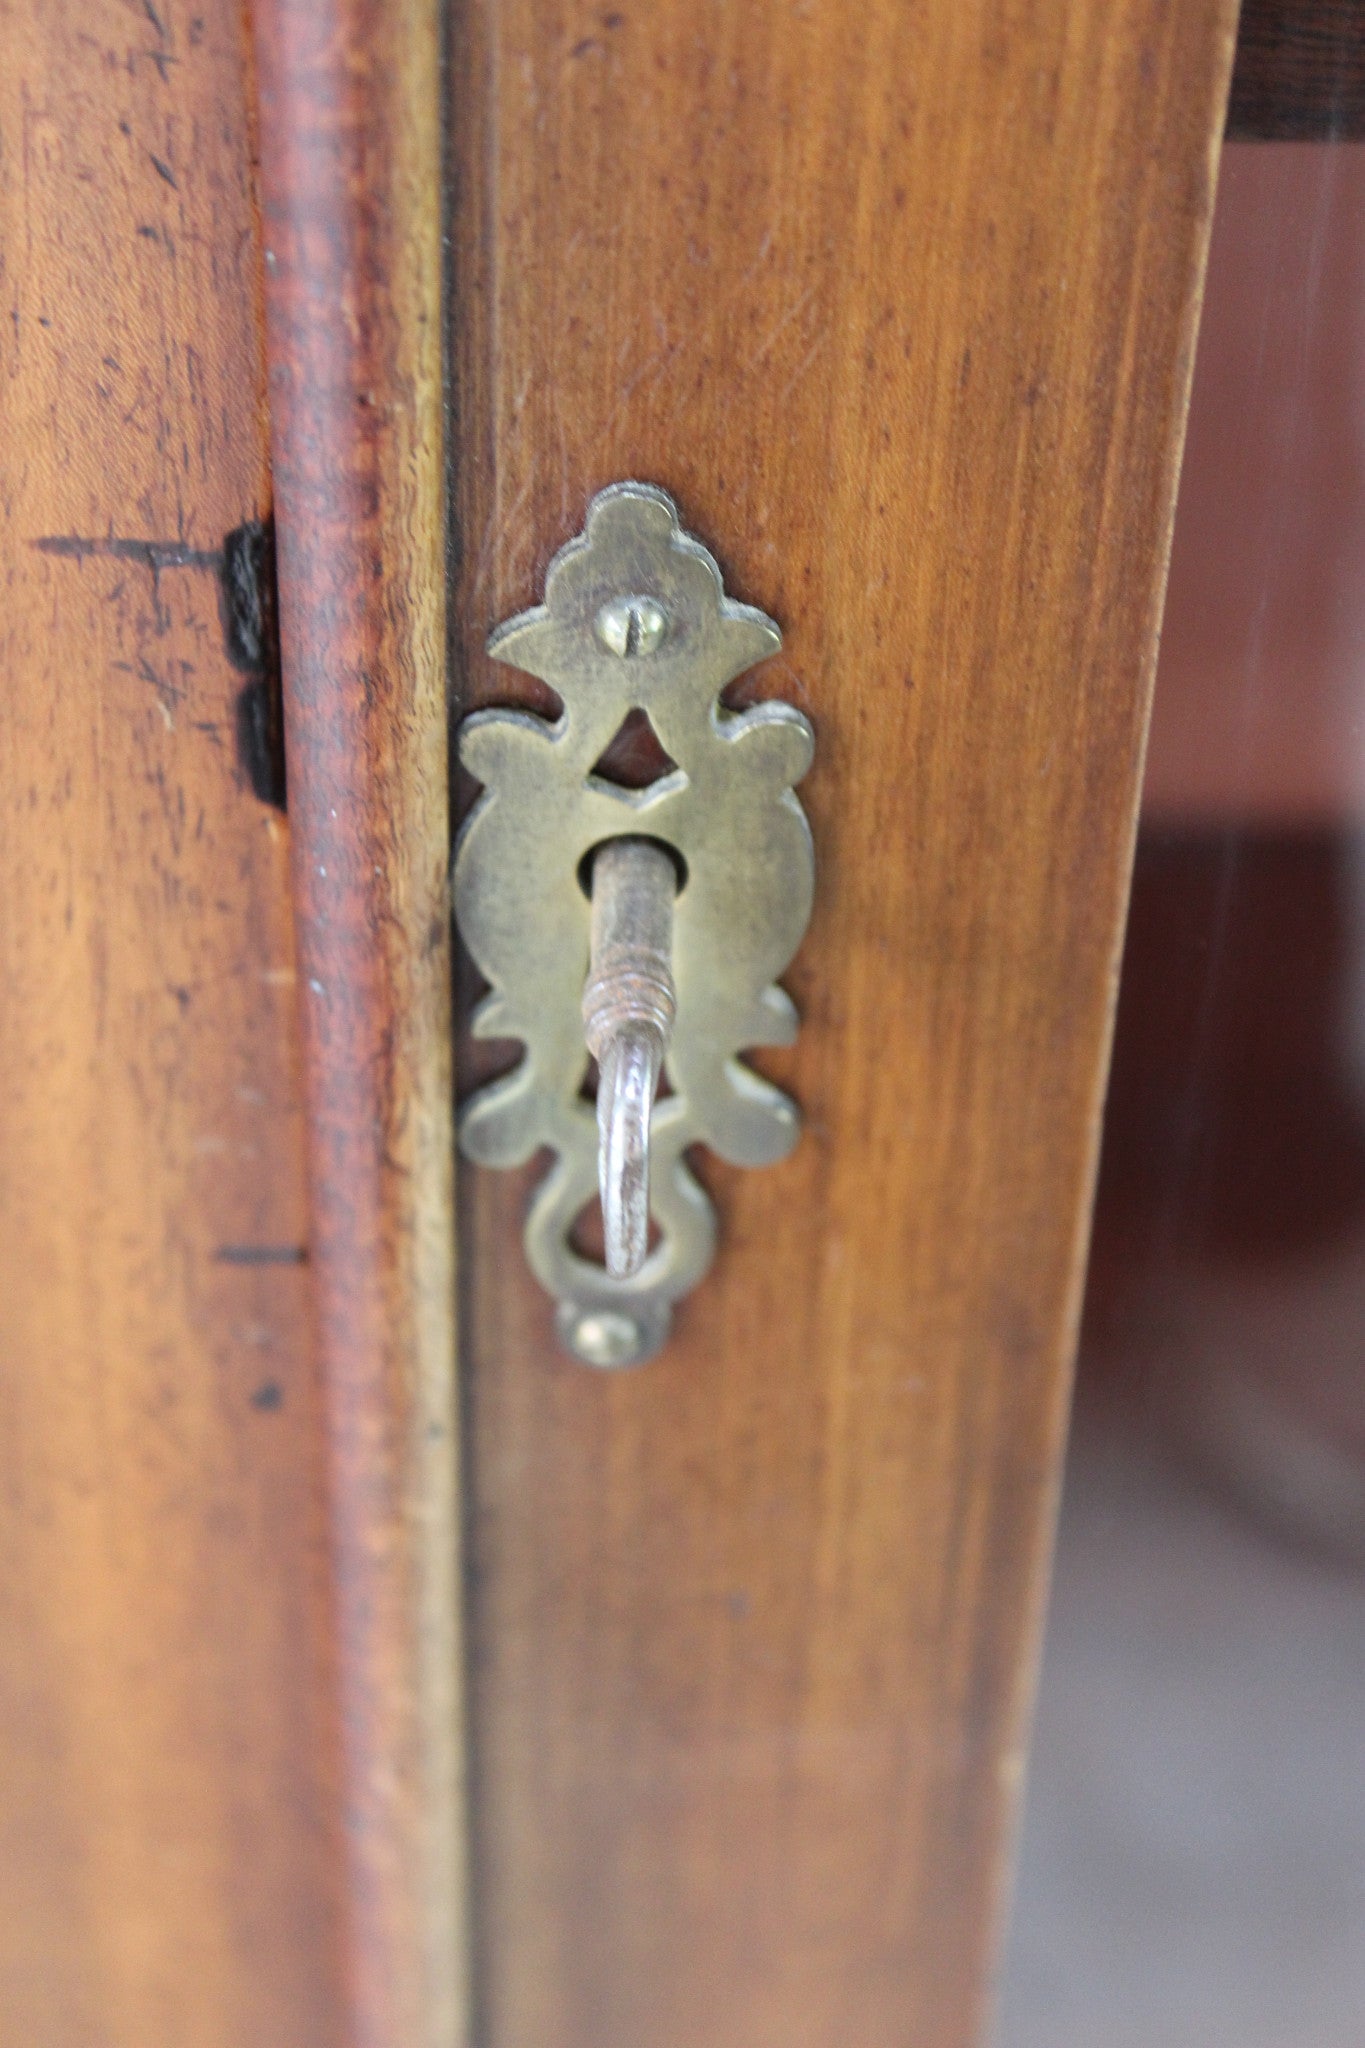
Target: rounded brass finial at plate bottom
(602, 1336)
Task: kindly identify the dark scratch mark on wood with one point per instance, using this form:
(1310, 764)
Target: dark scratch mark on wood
(152, 554)
(156, 555)
(245, 568)
(168, 692)
(261, 1254)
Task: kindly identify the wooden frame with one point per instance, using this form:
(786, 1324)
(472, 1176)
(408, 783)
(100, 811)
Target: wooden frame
(904, 320)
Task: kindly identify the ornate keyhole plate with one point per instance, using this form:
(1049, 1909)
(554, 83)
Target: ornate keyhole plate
(635, 618)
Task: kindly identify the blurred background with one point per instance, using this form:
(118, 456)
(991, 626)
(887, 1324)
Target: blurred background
(1193, 1869)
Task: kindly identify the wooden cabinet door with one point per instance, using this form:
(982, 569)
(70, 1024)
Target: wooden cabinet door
(717, 1732)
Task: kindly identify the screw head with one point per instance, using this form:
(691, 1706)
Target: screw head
(631, 626)
(604, 1337)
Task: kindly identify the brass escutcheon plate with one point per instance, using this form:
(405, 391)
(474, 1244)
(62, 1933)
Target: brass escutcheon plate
(635, 616)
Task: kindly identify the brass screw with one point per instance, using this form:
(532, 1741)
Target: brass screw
(631, 626)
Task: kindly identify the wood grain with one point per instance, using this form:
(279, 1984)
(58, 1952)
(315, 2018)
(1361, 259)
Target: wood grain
(1299, 75)
(901, 308)
(168, 1837)
(350, 179)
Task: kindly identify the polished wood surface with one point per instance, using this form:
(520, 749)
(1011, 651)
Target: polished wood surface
(350, 189)
(901, 308)
(168, 1843)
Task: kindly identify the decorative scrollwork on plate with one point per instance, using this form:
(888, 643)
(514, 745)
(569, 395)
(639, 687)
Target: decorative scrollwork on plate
(635, 618)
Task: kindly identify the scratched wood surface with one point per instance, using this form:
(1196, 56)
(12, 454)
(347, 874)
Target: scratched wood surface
(167, 1854)
(899, 302)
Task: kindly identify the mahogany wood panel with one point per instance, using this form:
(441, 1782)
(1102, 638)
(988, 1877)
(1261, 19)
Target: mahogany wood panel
(899, 302)
(168, 1843)
(350, 178)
